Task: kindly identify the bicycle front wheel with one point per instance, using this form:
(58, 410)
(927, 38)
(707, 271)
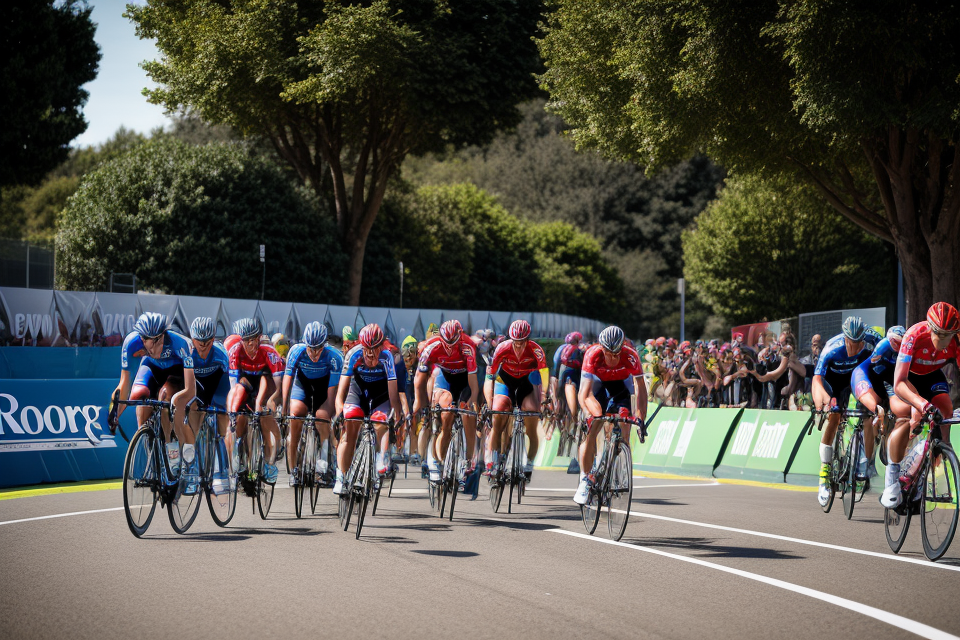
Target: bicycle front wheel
(940, 508)
(264, 488)
(140, 480)
(619, 491)
(183, 510)
(854, 452)
(896, 523)
(590, 511)
(222, 495)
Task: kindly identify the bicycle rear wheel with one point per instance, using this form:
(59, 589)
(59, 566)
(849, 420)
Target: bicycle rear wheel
(315, 480)
(185, 506)
(590, 511)
(854, 452)
(264, 488)
(620, 491)
(364, 491)
(896, 523)
(496, 493)
(140, 482)
(940, 509)
(221, 502)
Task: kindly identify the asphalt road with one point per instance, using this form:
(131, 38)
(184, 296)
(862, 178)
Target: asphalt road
(699, 560)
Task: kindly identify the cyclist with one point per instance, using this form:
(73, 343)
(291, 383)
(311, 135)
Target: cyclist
(611, 376)
(368, 387)
(920, 386)
(211, 365)
(568, 362)
(831, 385)
(517, 375)
(871, 381)
(349, 338)
(310, 383)
(408, 351)
(281, 344)
(166, 368)
(255, 368)
(454, 358)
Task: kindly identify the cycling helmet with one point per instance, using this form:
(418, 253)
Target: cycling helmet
(202, 329)
(247, 328)
(611, 338)
(672, 343)
(943, 317)
(519, 330)
(661, 341)
(151, 325)
(684, 346)
(576, 336)
(450, 331)
(854, 328)
(408, 345)
(371, 336)
(895, 335)
(432, 329)
(315, 335)
(348, 334)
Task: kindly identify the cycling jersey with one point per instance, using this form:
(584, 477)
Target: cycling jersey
(176, 352)
(353, 365)
(369, 390)
(211, 375)
(612, 386)
(834, 357)
(531, 360)
(328, 364)
(917, 349)
(462, 357)
(267, 360)
(877, 372)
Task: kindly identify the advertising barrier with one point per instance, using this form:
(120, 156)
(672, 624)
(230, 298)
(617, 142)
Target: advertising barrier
(56, 431)
(688, 441)
(762, 445)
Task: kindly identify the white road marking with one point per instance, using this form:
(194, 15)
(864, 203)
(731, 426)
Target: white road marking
(912, 626)
(62, 515)
(636, 486)
(812, 543)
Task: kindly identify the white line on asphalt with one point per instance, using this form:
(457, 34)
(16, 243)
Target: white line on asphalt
(636, 486)
(62, 515)
(812, 543)
(918, 628)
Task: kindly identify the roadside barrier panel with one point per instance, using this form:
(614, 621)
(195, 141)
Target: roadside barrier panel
(686, 441)
(662, 433)
(56, 431)
(762, 445)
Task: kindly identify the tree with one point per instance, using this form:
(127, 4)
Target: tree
(771, 248)
(189, 219)
(48, 54)
(346, 89)
(859, 100)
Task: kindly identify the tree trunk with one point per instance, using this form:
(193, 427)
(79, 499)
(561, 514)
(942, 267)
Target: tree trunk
(355, 247)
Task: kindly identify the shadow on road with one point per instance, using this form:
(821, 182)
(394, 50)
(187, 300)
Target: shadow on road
(713, 550)
(658, 502)
(446, 554)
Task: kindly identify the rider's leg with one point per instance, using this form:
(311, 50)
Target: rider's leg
(530, 403)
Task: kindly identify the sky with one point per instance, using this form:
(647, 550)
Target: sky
(115, 97)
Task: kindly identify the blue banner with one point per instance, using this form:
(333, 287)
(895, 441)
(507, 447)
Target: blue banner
(56, 431)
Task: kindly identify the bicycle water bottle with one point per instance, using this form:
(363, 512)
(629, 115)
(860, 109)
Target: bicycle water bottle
(173, 457)
(910, 463)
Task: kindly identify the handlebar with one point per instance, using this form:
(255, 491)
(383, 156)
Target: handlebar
(525, 414)
(464, 412)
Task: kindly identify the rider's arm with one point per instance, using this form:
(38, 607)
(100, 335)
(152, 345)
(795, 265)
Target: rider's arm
(262, 393)
(419, 390)
(586, 397)
(342, 393)
(286, 386)
(641, 397)
(123, 389)
(820, 396)
(474, 388)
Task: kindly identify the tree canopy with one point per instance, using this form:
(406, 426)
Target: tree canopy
(48, 54)
(766, 248)
(857, 99)
(345, 91)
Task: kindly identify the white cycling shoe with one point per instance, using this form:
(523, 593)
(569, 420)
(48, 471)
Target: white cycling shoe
(891, 496)
(583, 491)
(823, 495)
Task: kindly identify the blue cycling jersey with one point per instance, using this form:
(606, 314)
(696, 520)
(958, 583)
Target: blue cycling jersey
(556, 360)
(834, 356)
(884, 358)
(353, 365)
(328, 364)
(176, 351)
(216, 360)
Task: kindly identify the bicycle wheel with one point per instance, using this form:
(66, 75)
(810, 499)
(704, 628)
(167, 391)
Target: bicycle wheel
(496, 492)
(185, 506)
(896, 522)
(835, 469)
(140, 480)
(619, 491)
(223, 502)
(316, 480)
(854, 452)
(590, 511)
(264, 488)
(940, 509)
(459, 460)
(364, 490)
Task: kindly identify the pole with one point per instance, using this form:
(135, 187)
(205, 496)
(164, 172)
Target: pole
(28, 265)
(682, 290)
(901, 298)
(401, 284)
(263, 282)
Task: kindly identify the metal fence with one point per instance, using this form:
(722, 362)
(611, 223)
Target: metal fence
(26, 264)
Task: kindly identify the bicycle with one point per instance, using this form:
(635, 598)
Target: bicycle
(846, 457)
(147, 476)
(930, 490)
(214, 459)
(391, 473)
(510, 474)
(249, 456)
(455, 462)
(612, 485)
(306, 476)
(361, 479)
(579, 433)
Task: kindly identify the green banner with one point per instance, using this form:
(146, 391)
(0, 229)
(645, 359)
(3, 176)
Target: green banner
(762, 445)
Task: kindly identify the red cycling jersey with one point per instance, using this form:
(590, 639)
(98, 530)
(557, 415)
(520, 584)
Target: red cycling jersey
(267, 359)
(505, 359)
(461, 358)
(571, 356)
(917, 349)
(594, 365)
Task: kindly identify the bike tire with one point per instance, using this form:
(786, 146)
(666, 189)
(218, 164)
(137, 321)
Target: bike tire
(896, 523)
(854, 451)
(223, 505)
(361, 512)
(496, 496)
(620, 492)
(376, 500)
(940, 509)
(316, 480)
(139, 489)
(264, 488)
(590, 511)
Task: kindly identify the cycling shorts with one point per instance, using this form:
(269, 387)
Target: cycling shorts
(568, 375)
(515, 388)
(838, 386)
(458, 384)
(362, 402)
(310, 391)
(153, 377)
(613, 395)
(929, 385)
(864, 379)
(212, 390)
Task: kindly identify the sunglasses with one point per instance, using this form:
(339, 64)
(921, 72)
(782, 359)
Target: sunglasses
(940, 333)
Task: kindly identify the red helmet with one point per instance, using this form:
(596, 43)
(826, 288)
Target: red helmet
(371, 336)
(450, 331)
(519, 330)
(943, 317)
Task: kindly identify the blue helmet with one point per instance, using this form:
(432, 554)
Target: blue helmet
(151, 325)
(854, 328)
(247, 328)
(202, 328)
(315, 335)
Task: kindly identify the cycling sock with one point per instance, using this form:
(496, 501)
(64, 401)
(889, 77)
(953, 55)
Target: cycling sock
(826, 453)
(893, 474)
(189, 453)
